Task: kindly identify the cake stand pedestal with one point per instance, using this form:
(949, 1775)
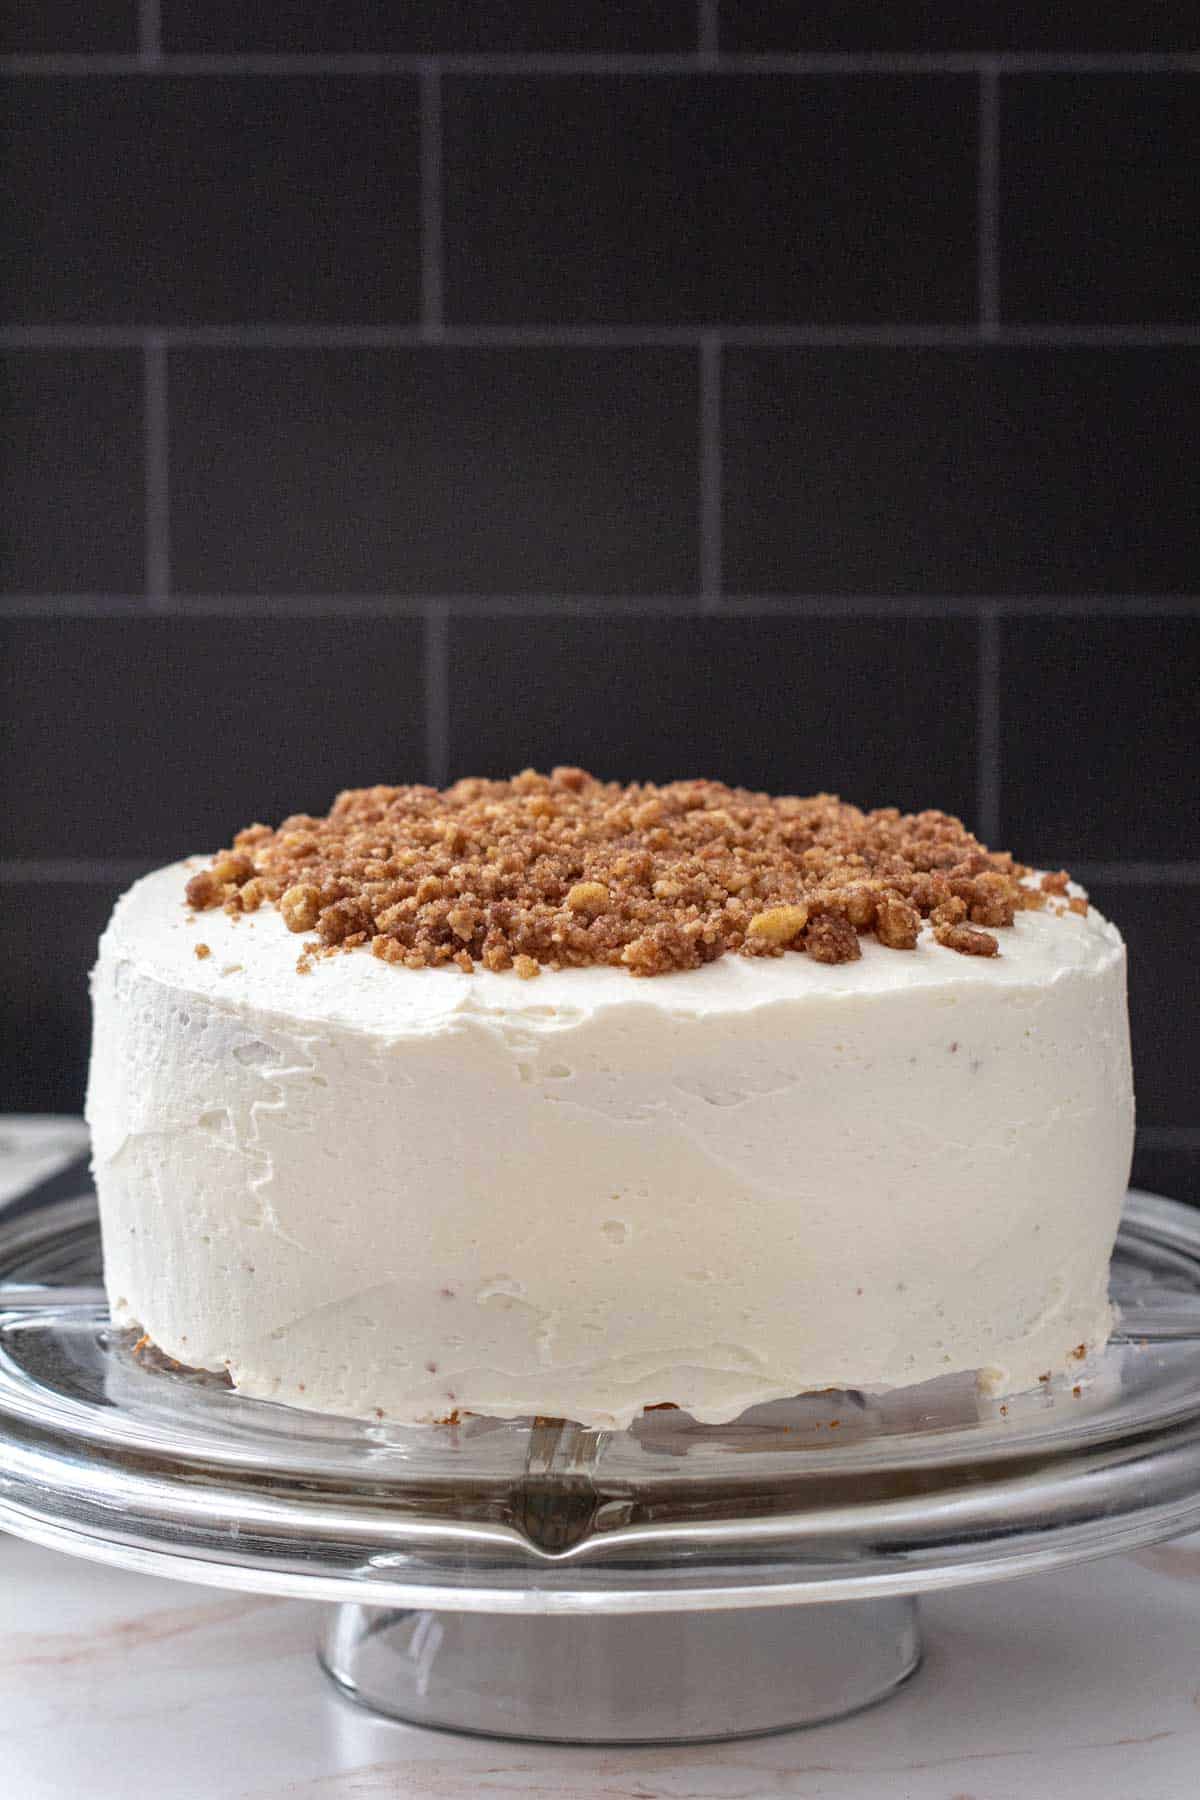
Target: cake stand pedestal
(527, 1578)
(641, 1678)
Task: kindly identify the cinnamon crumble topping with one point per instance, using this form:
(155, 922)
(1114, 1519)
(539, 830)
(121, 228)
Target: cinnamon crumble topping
(565, 871)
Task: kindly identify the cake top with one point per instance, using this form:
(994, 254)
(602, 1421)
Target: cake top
(567, 871)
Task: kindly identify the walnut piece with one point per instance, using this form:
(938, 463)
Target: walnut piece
(588, 897)
(831, 938)
(462, 921)
(950, 912)
(233, 865)
(992, 903)
(967, 939)
(779, 924)
(204, 890)
(897, 924)
(300, 906)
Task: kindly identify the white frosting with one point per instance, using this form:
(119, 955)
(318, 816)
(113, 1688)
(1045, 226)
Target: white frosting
(368, 1188)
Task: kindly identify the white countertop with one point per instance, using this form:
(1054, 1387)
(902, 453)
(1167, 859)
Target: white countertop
(1081, 1685)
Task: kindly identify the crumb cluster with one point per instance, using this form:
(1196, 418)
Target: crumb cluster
(563, 871)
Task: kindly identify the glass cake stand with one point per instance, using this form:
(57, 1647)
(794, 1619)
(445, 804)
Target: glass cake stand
(529, 1578)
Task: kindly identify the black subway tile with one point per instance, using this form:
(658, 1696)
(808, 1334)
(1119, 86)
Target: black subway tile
(156, 737)
(1100, 205)
(435, 470)
(71, 471)
(714, 198)
(780, 703)
(943, 471)
(940, 25)
(157, 199)
(49, 933)
(1172, 1169)
(1159, 925)
(428, 26)
(64, 27)
(1100, 738)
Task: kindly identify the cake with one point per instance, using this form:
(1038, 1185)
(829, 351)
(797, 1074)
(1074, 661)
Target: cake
(553, 1096)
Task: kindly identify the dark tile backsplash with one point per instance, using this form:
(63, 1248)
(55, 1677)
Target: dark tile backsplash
(157, 199)
(1101, 749)
(947, 25)
(38, 27)
(741, 199)
(809, 395)
(1159, 926)
(72, 478)
(49, 936)
(1100, 204)
(962, 471)
(434, 470)
(256, 719)
(424, 26)
(750, 702)
(1168, 1167)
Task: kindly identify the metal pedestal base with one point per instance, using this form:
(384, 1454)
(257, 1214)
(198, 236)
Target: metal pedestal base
(630, 1678)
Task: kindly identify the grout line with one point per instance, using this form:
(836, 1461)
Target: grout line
(1137, 874)
(949, 62)
(1100, 337)
(969, 606)
(955, 62)
(536, 606)
(64, 65)
(710, 470)
(988, 723)
(355, 337)
(851, 606)
(149, 34)
(432, 204)
(1098, 606)
(599, 337)
(72, 337)
(708, 31)
(437, 696)
(71, 606)
(988, 207)
(357, 606)
(522, 606)
(66, 869)
(157, 475)
(812, 606)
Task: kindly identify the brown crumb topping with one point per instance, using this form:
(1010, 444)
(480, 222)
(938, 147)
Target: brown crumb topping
(564, 871)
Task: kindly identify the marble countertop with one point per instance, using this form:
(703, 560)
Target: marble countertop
(1079, 1685)
(1082, 1685)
